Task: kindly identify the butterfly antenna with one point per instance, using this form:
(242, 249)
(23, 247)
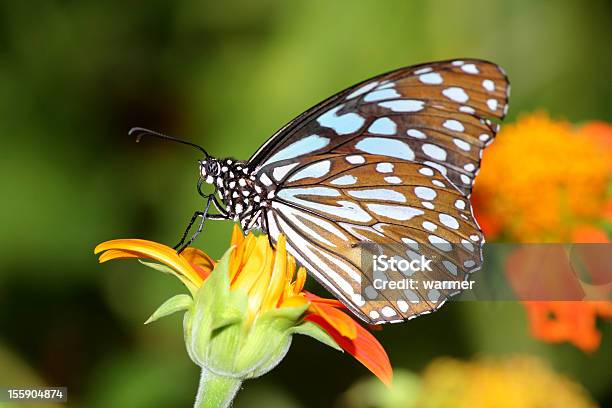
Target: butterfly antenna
(141, 132)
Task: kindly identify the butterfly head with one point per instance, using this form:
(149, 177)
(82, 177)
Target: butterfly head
(210, 169)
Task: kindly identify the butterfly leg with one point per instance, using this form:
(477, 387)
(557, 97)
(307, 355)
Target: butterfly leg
(193, 218)
(203, 216)
(267, 229)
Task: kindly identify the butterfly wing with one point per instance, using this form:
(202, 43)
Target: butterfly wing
(437, 108)
(389, 161)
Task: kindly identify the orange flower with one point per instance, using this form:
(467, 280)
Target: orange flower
(269, 279)
(543, 178)
(575, 322)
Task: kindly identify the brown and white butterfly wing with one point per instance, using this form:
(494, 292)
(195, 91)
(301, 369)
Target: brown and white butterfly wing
(428, 124)
(400, 209)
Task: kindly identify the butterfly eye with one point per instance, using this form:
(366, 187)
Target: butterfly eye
(212, 168)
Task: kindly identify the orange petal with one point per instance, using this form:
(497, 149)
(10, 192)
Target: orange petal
(589, 234)
(199, 260)
(330, 302)
(148, 250)
(365, 348)
(117, 254)
(336, 318)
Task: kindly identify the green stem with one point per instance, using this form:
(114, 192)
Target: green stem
(216, 391)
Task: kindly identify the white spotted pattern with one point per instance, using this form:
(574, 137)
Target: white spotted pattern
(425, 193)
(462, 144)
(434, 151)
(456, 94)
(432, 78)
(384, 167)
(417, 134)
(454, 125)
(403, 105)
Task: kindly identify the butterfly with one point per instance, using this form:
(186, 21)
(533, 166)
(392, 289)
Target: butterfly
(391, 161)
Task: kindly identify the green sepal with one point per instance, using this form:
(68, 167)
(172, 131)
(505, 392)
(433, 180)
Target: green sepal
(268, 340)
(316, 332)
(213, 331)
(285, 317)
(166, 269)
(174, 304)
(158, 267)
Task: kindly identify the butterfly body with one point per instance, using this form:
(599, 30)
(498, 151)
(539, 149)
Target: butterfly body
(390, 161)
(243, 196)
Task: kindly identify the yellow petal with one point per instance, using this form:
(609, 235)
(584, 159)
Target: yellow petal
(254, 261)
(278, 279)
(290, 268)
(299, 280)
(261, 279)
(149, 250)
(237, 235)
(294, 301)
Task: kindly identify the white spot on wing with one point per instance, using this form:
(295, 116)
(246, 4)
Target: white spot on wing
(434, 151)
(388, 311)
(265, 180)
(355, 159)
(344, 124)
(345, 180)
(279, 173)
(456, 94)
(383, 126)
(303, 146)
(438, 167)
(385, 147)
(381, 94)
(492, 104)
(384, 167)
(429, 226)
(448, 220)
(453, 124)
(403, 105)
(345, 209)
(432, 78)
(470, 69)
(488, 85)
(439, 243)
(314, 170)
(423, 70)
(425, 193)
(467, 109)
(417, 134)
(426, 171)
(381, 194)
(396, 212)
(462, 144)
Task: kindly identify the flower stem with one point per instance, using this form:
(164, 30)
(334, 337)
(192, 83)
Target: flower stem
(216, 391)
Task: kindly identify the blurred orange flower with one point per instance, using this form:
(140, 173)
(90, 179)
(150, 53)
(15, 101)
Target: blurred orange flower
(547, 181)
(575, 322)
(542, 179)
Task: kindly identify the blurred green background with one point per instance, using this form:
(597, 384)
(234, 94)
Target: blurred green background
(76, 75)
